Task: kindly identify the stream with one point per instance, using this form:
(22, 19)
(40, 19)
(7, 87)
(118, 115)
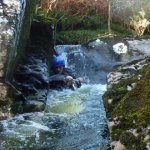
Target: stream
(72, 120)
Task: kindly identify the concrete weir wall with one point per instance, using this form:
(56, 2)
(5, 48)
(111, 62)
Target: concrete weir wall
(15, 21)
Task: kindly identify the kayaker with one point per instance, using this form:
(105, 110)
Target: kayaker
(62, 77)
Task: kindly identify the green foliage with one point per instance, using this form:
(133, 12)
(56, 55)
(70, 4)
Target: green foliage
(76, 36)
(120, 30)
(75, 29)
(81, 15)
(90, 21)
(64, 21)
(68, 23)
(43, 17)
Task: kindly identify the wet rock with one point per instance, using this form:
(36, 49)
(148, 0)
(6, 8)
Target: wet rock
(33, 106)
(125, 71)
(30, 76)
(118, 146)
(1, 127)
(3, 118)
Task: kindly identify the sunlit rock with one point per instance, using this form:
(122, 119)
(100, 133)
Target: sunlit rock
(119, 146)
(120, 48)
(142, 46)
(95, 43)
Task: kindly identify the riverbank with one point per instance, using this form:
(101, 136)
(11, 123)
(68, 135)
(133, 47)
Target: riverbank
(127, 104)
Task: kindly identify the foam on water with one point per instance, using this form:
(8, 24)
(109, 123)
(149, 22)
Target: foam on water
(71, 102)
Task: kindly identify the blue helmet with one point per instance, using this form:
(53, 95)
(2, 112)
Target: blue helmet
(58, 61)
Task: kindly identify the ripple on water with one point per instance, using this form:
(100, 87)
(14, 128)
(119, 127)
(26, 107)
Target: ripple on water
(72, 120)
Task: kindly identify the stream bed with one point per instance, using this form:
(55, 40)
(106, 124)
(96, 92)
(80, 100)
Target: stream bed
(72, 120)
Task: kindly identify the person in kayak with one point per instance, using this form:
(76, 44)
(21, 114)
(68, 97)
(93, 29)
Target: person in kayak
(62, 77)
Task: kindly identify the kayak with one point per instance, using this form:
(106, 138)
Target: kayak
(57, 77)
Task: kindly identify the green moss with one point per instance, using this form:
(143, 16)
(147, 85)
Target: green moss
(138, 98)
(141, 116)
(131, 142)
(115, 134)
(144, 69)
(117, 93)
(128, 139)
(132, 110)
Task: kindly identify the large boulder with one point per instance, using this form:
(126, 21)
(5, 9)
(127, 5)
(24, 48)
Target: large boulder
(13, 20)
(30, 76)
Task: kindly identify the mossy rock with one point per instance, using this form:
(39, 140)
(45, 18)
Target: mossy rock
(115, 134)
(132, 110)
(117, 92)
(131, 142)
(136, 103)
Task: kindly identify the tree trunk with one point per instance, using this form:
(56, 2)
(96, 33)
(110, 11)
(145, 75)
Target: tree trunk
(109, 18)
